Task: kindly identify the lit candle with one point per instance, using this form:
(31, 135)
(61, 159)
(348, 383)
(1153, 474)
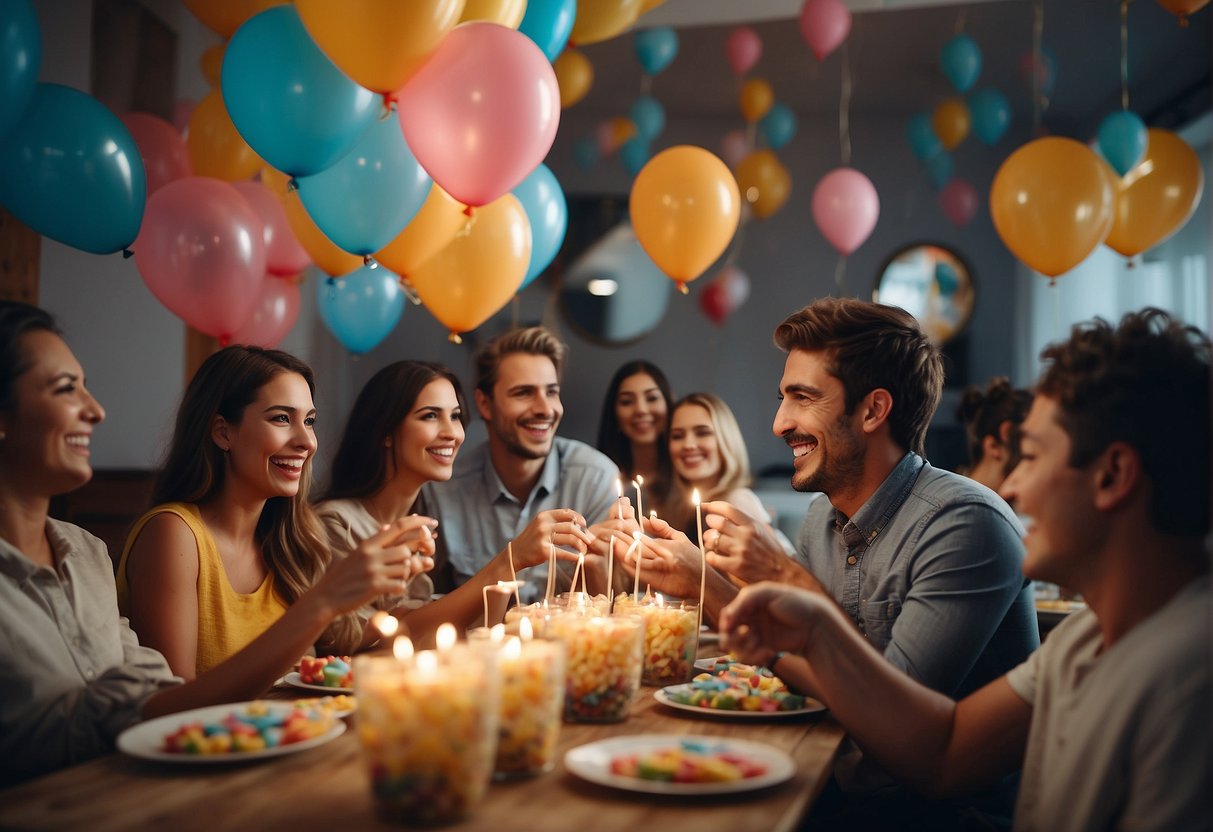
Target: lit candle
(639, 481)
(402, 648)
(703, 556)
(446, 637)
(635, 547)
(386, 623)
(509, 551)
(512, 586)
(551, 585)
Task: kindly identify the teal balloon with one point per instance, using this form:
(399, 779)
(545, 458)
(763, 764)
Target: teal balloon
(548, 23)
(362, 307)
(71, 170)
(960, 60)
(1122, 140)
(990, 113)
(778, 126)
(635, 154)
(20, 60)
(292, 105)
(648, 115)
(543, 200)
(920, 133)
(947, 279)
(365, 200)
(586, 153)
(656, 48)
(939, 170)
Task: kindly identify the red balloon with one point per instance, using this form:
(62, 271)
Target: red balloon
(742, 49)
(275, 313)
(726, 293)
(165, 156)
(959, 202)
(284, 255)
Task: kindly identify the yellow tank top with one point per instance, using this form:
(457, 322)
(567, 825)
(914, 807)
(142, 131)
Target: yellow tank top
(227, 620)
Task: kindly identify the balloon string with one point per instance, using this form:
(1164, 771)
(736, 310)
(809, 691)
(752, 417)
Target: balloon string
(844, 108)
(1038, 27)
(1124, 54)
(840, 274)
(735, 250)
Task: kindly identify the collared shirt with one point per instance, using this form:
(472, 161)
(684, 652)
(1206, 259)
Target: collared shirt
(930, 569)
(74, 673)
(477, 515)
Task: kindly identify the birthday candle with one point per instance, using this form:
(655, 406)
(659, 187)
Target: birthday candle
(703, 557)
(635, 547)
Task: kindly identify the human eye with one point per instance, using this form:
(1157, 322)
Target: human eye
(280, 418)
(310, 421)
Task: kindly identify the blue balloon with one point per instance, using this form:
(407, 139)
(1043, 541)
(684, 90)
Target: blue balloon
(585, 153)
(939, 170)
(655, 48)
(1122, 140)
(990, 113)
(362, 307)
(20, 59)
(365, 200)
(288, 100)
(71, 170)
(648, 115)
(543, 200)
(778, 126)
(548, 23)
(960, 60)
(921, 135)
(635, 154)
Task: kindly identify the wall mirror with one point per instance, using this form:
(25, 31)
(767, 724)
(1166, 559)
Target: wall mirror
(934, 284)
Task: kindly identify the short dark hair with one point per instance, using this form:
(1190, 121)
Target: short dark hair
(611, 440)
(17, 319)
(534, 340)
(1144, 382)
(871, 346)
(983, 413)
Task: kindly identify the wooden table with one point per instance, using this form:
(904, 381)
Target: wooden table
(326, 788)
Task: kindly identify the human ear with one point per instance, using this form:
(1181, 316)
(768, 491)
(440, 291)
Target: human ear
(484, 406)
(876, 406)
(219, 434)
(1117, 473)
(991, 448)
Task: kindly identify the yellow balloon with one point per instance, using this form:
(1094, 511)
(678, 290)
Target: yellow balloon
(951, 121)
(599, 20)
(1156, 198)
(478, 271)
(574, 75)
(649, 5)
(277, 181)
(764, 182)
(440, 218)
(507, 13)
(685, 208)
(332, 260)
(211, 63)
(1051, 203)
(226, 16)
(379, 43)
(755, 99)
(216, 148)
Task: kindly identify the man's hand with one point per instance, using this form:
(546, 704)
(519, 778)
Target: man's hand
(766, 618)
(563, 527)
(747, 549)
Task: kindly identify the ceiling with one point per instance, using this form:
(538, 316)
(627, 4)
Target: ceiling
(893, 50)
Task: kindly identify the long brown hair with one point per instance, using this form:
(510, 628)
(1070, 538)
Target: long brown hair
(734, 458)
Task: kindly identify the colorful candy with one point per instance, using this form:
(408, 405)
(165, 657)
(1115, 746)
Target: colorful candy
(532, 692)
(687, 763)
(329, 672)
(733, 686)
(605, 655)
(671, 639)
(256, 728)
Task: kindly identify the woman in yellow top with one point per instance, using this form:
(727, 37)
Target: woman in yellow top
(232, 560)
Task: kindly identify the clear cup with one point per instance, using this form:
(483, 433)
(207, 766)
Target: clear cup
(671, 641)
(605, 655)
(532, 692)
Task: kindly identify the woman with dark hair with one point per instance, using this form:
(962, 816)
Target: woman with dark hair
(232, 560)
(633, 426)
(991, 421)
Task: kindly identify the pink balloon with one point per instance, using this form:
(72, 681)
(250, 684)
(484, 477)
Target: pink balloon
(743, 49)
(845, 207)
(284, 255)
(182, 110)
(201, 251)
(165, 156)
(959, 202)
(734, 147)
(482, 112)
(824, 24)
(275, 313)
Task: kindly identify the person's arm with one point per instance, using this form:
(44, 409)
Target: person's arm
(671, 564)
(749, 549)
(162, 576)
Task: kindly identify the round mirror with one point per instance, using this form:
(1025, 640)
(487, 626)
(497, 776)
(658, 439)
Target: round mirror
(932, 283)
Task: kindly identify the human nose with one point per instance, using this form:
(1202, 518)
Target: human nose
(93, 412)
(1009, 489)
(782, 423)
(305, 437)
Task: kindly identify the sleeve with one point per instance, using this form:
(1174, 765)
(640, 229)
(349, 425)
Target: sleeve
(340, 534)
(599, 492)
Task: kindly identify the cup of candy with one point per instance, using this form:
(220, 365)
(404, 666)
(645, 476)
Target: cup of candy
(671, 640)
(532, 693)
(604, 662)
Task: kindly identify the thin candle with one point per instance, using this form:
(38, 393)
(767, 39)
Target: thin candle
(635, 547)
(551, 585)
(611, 571)
(386, 623)
(576, 572)
(639, 481)
(509, 586)
(446, 636)
(703, 557)
(402, 648)
(509, 551)
(484, 591)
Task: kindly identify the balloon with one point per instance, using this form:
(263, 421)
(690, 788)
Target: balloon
(277, 181)
(764, 182)
(635, 154)
(211, 63)
(548, 23)
(611, 134)
(71, 170)
(599, 20)
(226, 16)
(1122, 140)
(951, 122)
(480, 270)
(845, 207)
(273, 315)
(289, 102)
(990, 113)
(939, 170)
(685, 208)
(201, 252)
(574, 75)
(435, 225)
(649, 5)
(370, 195)
(324, 252)
(216, 148)
(734, 146)
(507, 13)
(647, 114)
(656, 48)
(755, 99)
(1183, 8)
(1038, 71)
(380, 44)
(585, 153)
(742, 49)
(921, 135)
(960, 60)
(959, 201)
(542, 198)
(20, 60)
(360, 308)
(183, 109)
(729, 289)
(1052, 203)
(824, 25)
(482, 112)
(1156, 198)
(165, 156)
(284, 255)
(778, 126)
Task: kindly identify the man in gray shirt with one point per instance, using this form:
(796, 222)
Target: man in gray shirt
(525, 484)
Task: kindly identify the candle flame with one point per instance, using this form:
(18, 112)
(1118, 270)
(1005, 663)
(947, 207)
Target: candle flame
(497, 633)
(427, 661)
(402, 648)
(660, 600)
(386, 623)
(512, 651)
(695, 496)
(636, 537)
(618, 487)
(525, 630)
(446, 636)
(653, 514)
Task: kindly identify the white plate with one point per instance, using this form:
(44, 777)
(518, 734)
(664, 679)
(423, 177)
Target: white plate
(146, 740)
(811, 706)
(592, 762)
(293, 678)
(709, 663)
